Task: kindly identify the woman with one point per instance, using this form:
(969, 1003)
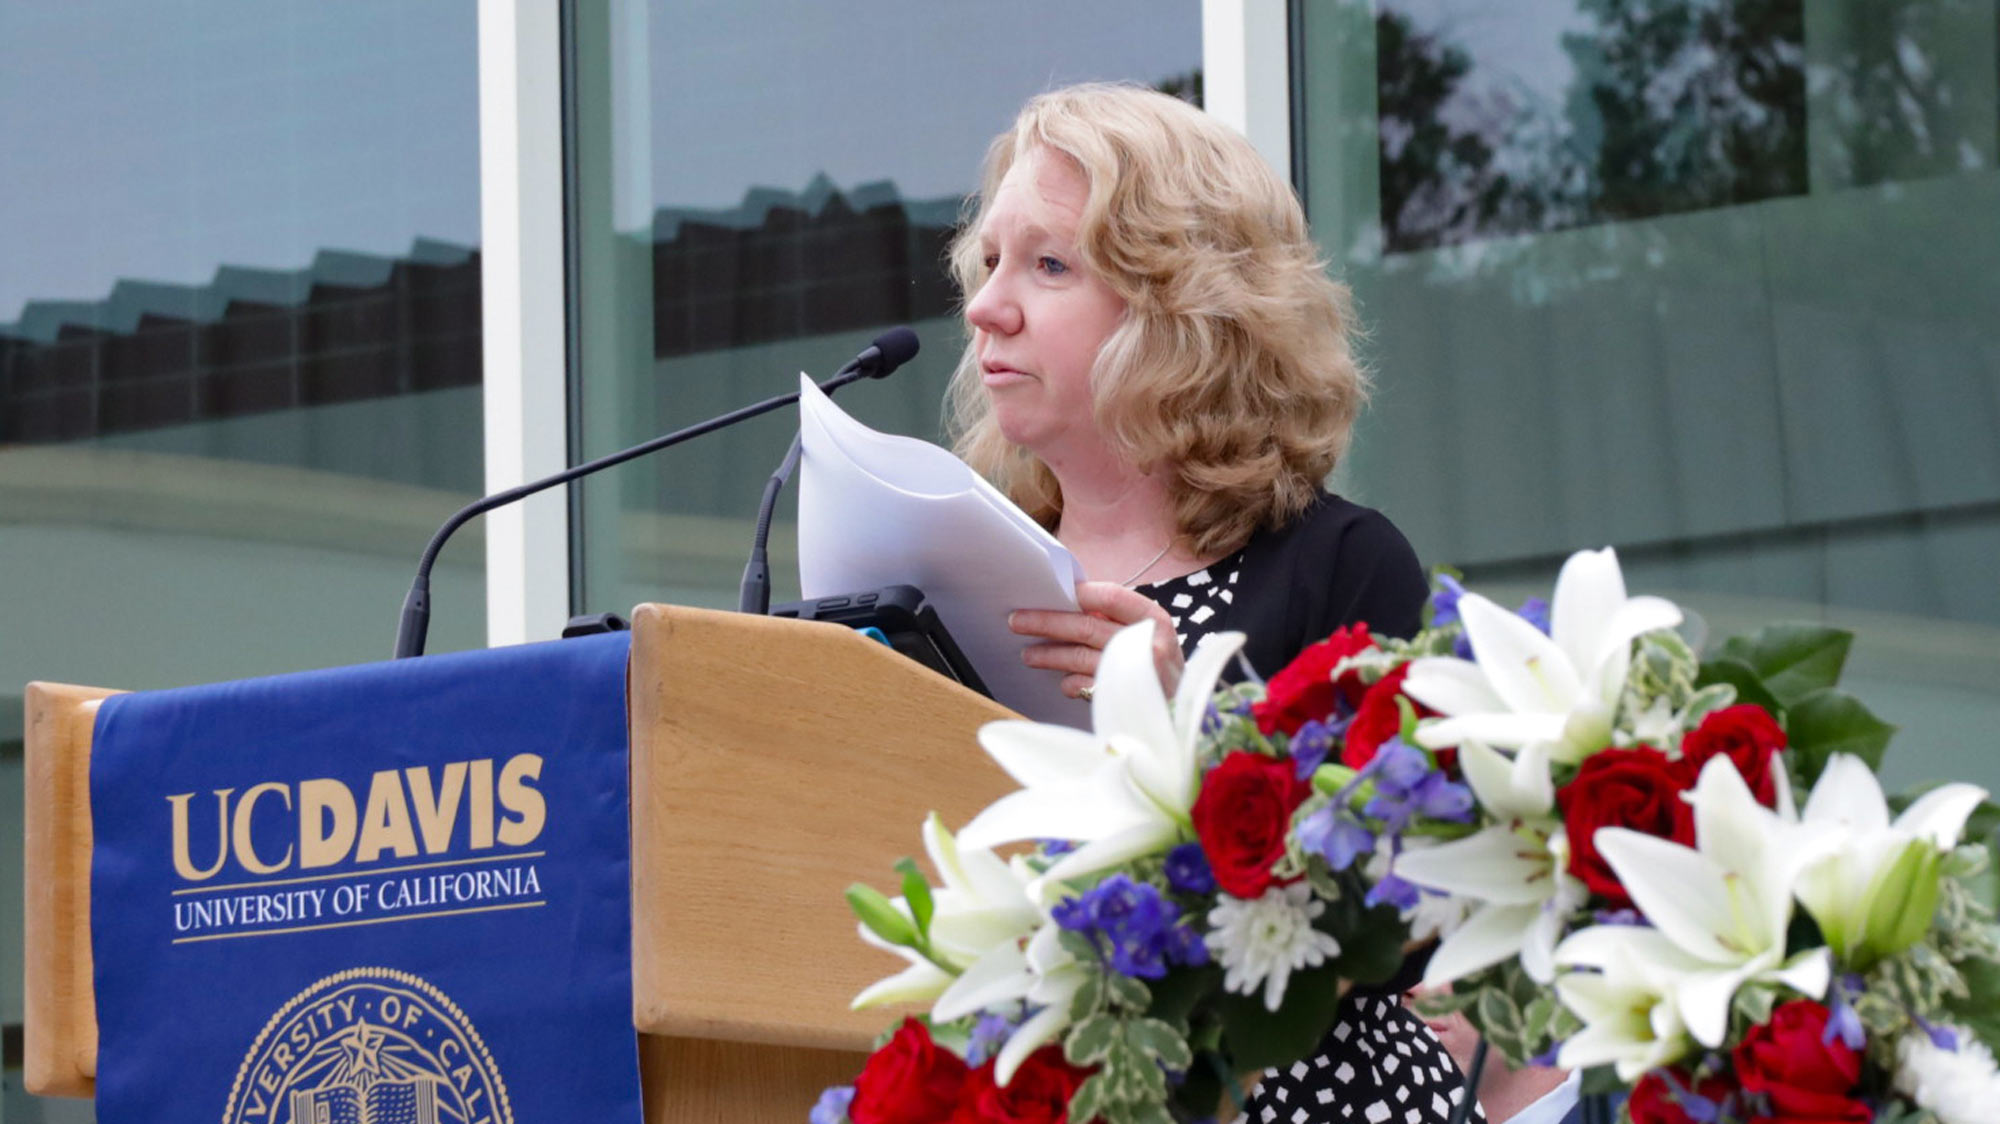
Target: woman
(1160, 372)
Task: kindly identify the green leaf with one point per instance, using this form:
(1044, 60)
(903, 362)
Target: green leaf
(1793, 660)
(1078, 945)
(1176, 994)
(1090, 1040)
(882, 919)
(1600, 1080)
(1089, 998)
(1827, 722)
(1499, 1019)
(917, 892)
(1979, 1012)
(1152, 1114)
(1722, 671)
(1090, 1099)
(1259, 1038)
(1160, 1042)
(1371, 940)
(1754, 1003)
(1128, 993)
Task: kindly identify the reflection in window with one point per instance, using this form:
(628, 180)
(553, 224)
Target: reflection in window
(1564, 113)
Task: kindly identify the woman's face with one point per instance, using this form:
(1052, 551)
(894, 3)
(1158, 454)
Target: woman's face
(1041, 316)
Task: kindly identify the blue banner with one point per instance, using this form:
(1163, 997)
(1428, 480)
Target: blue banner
(390, 893)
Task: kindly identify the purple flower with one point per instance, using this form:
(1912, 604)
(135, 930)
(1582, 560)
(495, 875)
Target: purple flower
(1943, 1037)
(1407, 785)
(1311, 745)
(1133, 926)
(1187, 870)
(832, 1106)
(1619, 917)
(1698, 1108)
(988, 1035)
(1842, 1019)
(1054, 847)
(1444, 601)
(1335, 836)
(1394, 891)
(1536, 612)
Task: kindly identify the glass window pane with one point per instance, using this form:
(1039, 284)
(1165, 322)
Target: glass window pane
(239, 346)
(764, 187)
(1712, 281)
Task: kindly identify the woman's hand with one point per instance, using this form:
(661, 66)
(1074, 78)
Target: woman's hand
(1073, 642)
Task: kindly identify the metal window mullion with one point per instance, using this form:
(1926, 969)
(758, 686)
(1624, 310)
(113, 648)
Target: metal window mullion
(523, 314)
(1246, 73)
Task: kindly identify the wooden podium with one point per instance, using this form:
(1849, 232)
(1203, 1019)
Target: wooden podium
(773, 762)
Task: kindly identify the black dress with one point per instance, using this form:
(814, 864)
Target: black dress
(1337, 564)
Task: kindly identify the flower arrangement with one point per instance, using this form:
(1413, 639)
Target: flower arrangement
(1678, 875)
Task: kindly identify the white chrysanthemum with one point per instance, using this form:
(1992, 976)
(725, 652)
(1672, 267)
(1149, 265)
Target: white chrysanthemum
(1265, 940)
(1959, 1086)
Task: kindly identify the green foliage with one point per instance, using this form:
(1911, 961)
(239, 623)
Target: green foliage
(917, 892)
(1258, 1037)
(1791, 660)
(1517, 1017)
(882, 919)
(1372, 939)
(1828, 721)
(1718, 671)
(1132, 1054)
(1600, 1080)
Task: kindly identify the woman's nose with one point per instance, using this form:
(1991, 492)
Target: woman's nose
(993, 309)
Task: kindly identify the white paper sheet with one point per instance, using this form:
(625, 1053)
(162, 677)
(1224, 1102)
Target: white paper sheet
(876, 509)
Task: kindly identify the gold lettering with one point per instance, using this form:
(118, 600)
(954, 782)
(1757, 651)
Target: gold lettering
(244, 809)
(385, 824)
(522, 799)
(319, 844)
(437, 815)
(481, 826)
(183, 865)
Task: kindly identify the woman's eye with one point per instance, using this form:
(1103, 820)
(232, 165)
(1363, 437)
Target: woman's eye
(1054, 266)
(992, 262)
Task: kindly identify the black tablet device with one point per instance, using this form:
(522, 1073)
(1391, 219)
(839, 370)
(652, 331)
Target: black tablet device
(903, 618)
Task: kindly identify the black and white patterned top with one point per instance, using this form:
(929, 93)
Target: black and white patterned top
(1380, 1064)
(1193, 600)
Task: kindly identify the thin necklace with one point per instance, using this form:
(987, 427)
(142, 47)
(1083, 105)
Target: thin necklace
(1150, 563)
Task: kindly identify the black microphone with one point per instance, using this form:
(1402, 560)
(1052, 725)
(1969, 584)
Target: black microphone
(889, 350)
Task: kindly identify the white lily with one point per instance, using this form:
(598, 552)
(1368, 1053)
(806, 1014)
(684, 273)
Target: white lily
(1122, 790)
(1516, 869)
(1038, 971)
(1722, 910)
(1521, 687)
(1876, 893)
(980, 913)
(1625, 1000)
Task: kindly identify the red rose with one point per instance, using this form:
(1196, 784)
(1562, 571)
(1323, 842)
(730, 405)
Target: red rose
(1749, 737)
(1636, 788)
(1038, 1094)
(1804, 1077)
(1246, 803)
(1304, 691)
(911, 1080)
(1378, 719)
(1657, 1100)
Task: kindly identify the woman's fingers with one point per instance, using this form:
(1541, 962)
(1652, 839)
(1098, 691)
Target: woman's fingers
(1078, 659)
(1064, 627)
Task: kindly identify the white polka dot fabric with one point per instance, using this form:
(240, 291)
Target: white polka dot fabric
(1379, 1065)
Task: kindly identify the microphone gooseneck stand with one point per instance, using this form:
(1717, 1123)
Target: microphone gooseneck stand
(414, 625)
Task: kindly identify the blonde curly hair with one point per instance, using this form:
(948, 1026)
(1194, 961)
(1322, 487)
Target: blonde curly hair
(1233, 364)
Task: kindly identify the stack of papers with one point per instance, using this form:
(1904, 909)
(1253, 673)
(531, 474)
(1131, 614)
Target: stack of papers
(877, 509)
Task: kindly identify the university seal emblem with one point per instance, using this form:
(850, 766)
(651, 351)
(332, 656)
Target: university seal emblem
(368, 1046)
